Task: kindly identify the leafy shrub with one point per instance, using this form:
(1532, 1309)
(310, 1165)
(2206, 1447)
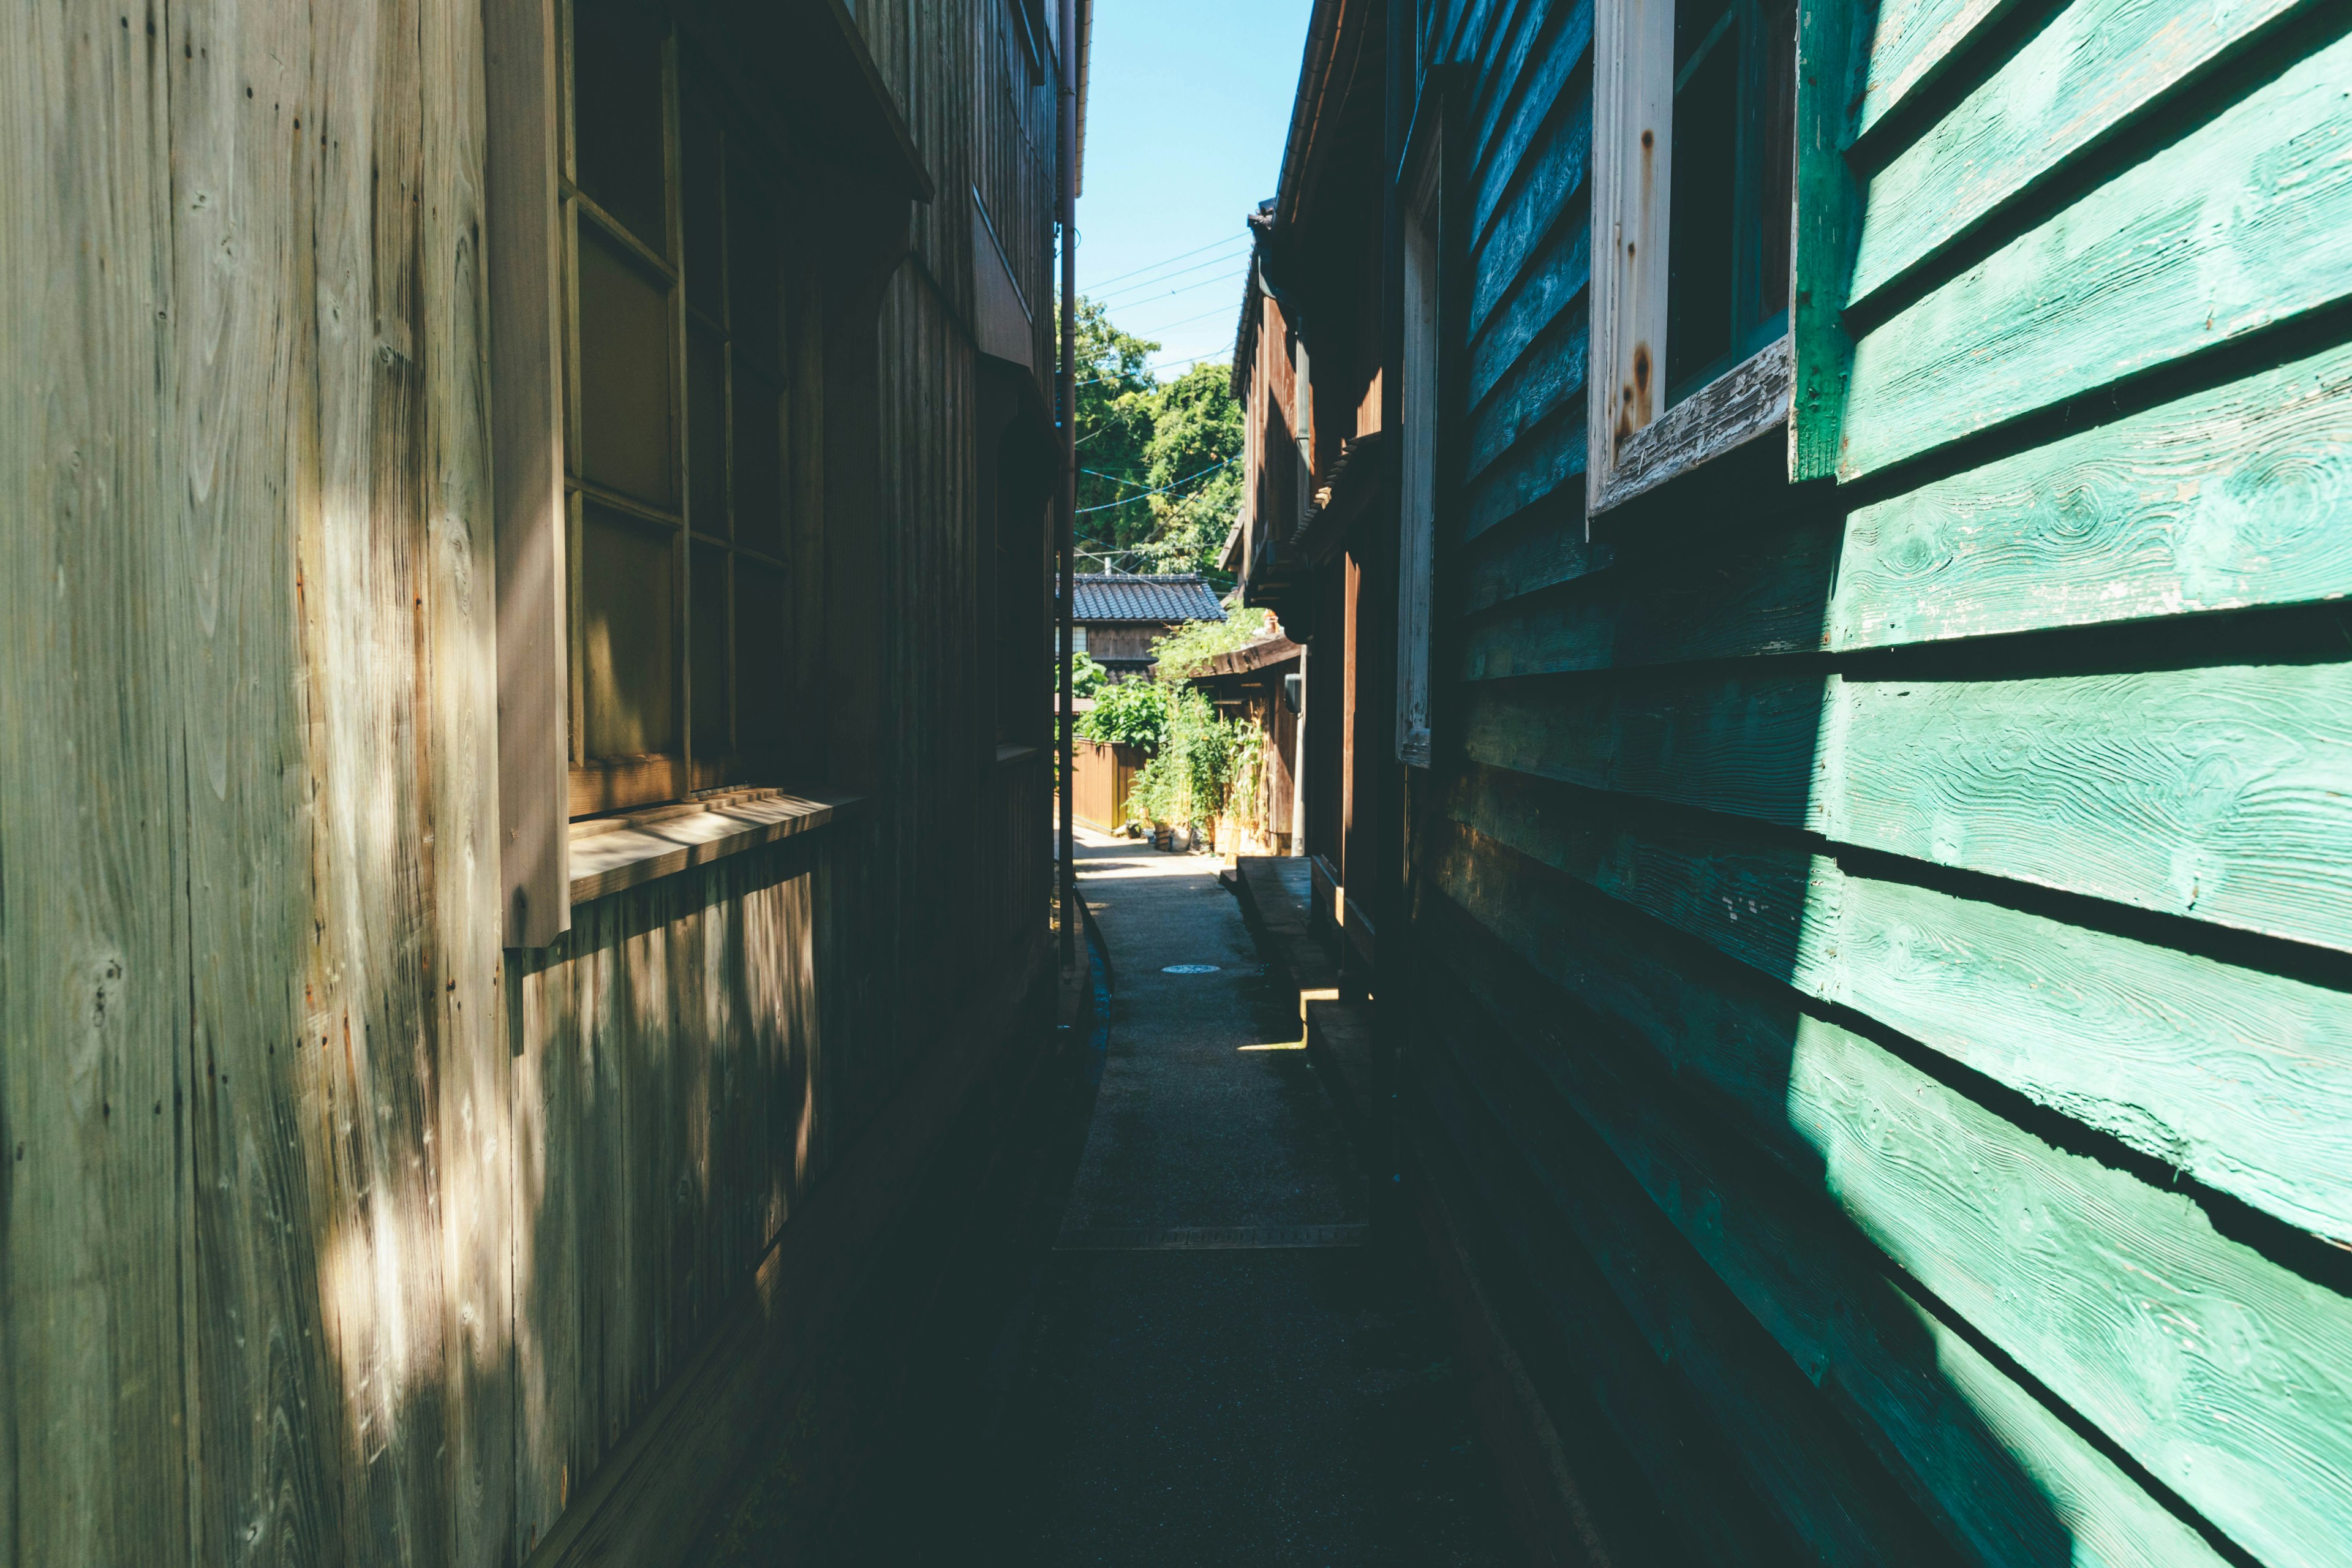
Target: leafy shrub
(1130, 713)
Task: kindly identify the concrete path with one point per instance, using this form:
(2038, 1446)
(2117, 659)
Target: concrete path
(1217, 1370)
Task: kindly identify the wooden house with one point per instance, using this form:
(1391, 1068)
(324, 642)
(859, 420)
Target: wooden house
(1117, 616)
(1845, 631)
(526, 539)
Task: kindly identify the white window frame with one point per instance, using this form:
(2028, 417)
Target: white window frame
(1634, 442)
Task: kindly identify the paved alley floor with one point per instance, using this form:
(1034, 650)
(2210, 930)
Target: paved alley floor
(1216, 1369)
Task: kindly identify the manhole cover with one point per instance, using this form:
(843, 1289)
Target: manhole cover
(1189, 969)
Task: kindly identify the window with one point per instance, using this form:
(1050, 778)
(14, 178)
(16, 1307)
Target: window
(681, 485)
(1417, 397)
(1733, 181)
(1694, 193)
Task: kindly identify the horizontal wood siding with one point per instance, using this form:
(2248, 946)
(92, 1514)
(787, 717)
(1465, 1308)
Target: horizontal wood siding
(1879, 963)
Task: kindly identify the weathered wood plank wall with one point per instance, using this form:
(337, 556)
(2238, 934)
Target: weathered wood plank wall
(1878, 959)
(327, 1233)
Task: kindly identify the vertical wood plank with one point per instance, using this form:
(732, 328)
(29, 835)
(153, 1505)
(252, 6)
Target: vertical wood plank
(462, 838)
(523, 251)
(95, 1438)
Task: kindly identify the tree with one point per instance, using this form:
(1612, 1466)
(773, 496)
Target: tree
(1114, 394)
(1196, 436)
(1159, 466)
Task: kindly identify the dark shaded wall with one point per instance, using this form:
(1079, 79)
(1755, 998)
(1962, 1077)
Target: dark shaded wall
(1877, 966)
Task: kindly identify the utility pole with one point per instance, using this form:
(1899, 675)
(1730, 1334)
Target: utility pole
(1068, 503)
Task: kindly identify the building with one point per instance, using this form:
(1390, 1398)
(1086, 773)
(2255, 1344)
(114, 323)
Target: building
(525, 804)
(1817, 533)
(1117, 617)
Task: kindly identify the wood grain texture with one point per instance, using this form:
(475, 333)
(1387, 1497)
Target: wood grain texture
(1499, 149)
(2002, 1478)
(269, 1263)
(2243, 223)
(96, 1303)
(523, 254)
(1665, 606)
(1542, 467)
(2241, 1078)
(1551, 171)
(1503, 89)
(1783, 1436)
(1746, 402)
(1545, 554)
(2222, 500)
(1910, 45)
(1552, 284)
(2214, 794)
(1546, 379)
(1710, 1511)
(2098, 67)
(2123, 1300)
(2218, 794)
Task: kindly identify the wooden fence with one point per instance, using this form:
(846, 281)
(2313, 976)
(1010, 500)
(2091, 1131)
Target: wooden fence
(1101, 773)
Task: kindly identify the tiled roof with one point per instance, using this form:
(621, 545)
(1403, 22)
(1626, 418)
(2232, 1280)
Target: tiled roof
(1174, 596)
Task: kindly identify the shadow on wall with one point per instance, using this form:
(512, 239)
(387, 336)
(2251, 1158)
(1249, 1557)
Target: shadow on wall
(1743, 1068)
(673, 1102)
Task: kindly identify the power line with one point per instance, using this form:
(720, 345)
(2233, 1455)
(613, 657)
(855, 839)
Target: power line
(1148, 265)
(1186, 320)
(1212, 354)
(1187, 480)
(1223, 277)
(1155, 282)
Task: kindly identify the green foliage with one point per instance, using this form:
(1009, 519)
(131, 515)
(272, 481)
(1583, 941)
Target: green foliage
(1187, 782)
(1196, 425)
(1129, 713)
(1136, 435)
(1115, 399)
(1186, 651)
(1087, 676)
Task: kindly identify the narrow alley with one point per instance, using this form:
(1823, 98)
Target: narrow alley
(1354, 784)
(1212, 1360)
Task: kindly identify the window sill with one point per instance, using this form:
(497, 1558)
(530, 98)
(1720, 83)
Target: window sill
(1750, 400)
(613, 853)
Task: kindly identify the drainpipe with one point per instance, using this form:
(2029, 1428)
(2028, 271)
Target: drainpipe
(1299, 763)
(1066, 530)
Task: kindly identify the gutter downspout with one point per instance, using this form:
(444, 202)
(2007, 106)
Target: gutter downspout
(1299, 763)
(1066, 530)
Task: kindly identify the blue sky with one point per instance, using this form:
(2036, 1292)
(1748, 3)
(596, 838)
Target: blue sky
(1187, 105)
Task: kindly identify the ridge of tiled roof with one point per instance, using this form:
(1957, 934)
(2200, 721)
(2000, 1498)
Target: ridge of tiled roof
(1153, 596)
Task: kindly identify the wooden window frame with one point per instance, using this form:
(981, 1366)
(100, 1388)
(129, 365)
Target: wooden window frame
(1635, 442)
(534, 209)
(1423, 225)
(701, 763)
(523, 249)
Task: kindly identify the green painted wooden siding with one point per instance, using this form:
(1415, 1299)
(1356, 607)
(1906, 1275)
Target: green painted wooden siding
(1879, 968)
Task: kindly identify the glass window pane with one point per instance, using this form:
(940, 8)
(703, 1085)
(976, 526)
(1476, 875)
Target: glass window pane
(708, 633)
(1701, 236)
(752, 288)
(706, 431)
(758, 463)
(616, 113)
(625, 422)
(761, 661)
(629, 635)
(705, 274)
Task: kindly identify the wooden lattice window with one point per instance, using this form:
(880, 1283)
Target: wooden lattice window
(684, 341)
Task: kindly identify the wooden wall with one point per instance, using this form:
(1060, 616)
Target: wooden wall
(327, 1233)
(1879, 969)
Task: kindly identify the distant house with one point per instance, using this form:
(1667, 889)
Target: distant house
(1120, 616)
